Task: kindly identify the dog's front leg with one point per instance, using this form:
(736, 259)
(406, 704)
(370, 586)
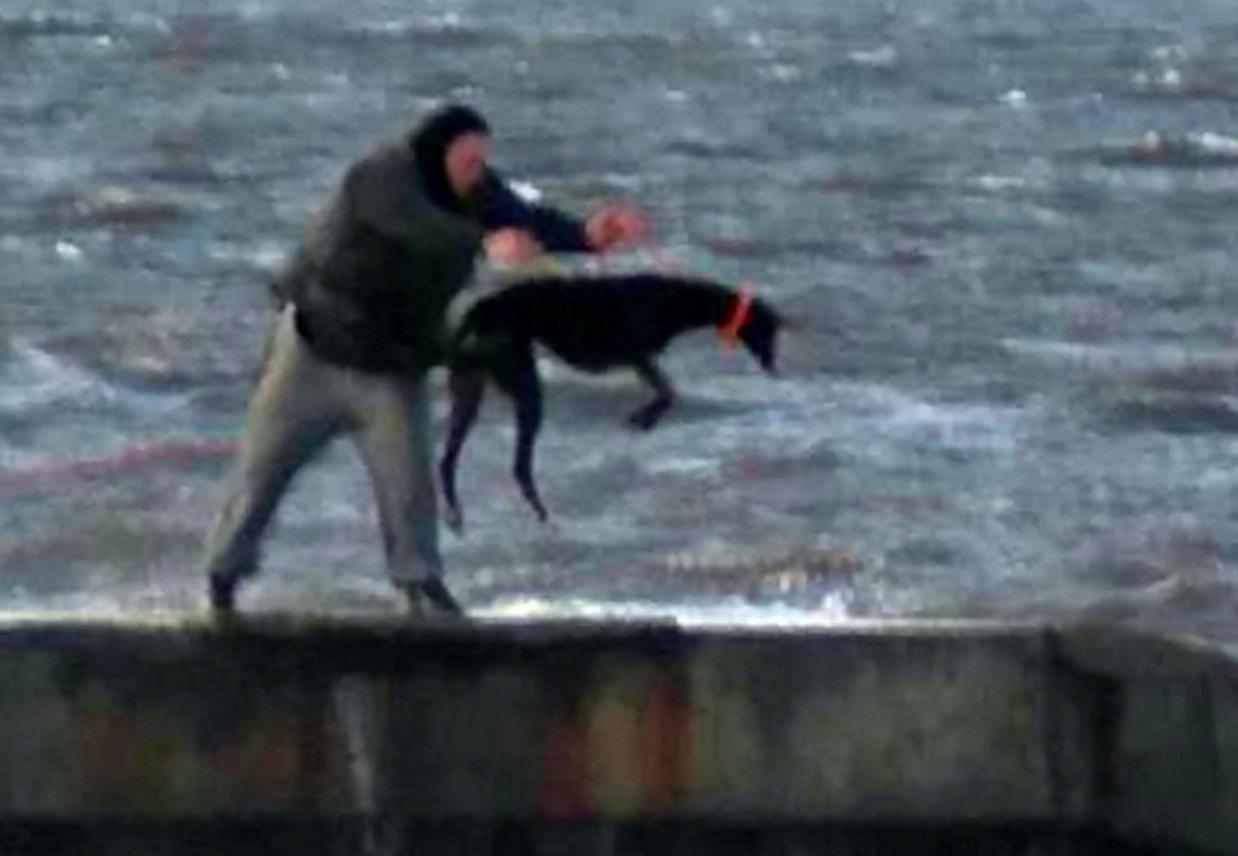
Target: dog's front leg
(517, 377)
(646, 416)
(465, 387)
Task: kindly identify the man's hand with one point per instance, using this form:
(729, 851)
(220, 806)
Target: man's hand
(615, 225)
(510, 246)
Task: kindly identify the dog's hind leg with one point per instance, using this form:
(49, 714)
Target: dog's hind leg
(647, 415)
(516, 375)
(465, 387)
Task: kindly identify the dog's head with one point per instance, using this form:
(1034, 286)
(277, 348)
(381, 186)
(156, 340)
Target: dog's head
(760, 334)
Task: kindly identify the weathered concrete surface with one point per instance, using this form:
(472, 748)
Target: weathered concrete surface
(1167, 735)
(607, 727)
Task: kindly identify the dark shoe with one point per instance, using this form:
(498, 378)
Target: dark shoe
(431, 597)
(223, 593)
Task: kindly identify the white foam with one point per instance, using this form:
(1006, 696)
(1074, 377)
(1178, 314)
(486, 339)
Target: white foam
(69, 251)
(1197, 146)
(447, 23)
(729, 612)
(1213, 143)
(682, 465)
(267, 256)
(885, 56)
(1168, 81)
(785, 72)
(1014, 98)
(998, 183)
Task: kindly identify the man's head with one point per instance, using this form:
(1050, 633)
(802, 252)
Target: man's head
(452, 147)
(465, 163)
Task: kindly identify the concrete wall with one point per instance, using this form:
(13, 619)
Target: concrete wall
(597, 727)
(1166, 734)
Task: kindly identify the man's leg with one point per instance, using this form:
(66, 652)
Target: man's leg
(394, 440)
(289, 420)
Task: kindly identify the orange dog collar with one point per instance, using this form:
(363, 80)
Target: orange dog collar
(728, 331)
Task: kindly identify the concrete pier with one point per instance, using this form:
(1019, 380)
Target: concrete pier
(178, 735)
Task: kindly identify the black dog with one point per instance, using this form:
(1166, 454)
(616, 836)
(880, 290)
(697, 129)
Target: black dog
(593, 324)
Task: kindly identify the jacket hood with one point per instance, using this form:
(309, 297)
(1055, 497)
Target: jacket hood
(429, 142)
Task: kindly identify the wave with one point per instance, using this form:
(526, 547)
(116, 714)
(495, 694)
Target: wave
(35, 383)
(45, 24)
(885, 418)
(39, 23)
(1167, 388)
(32, 379)
(885, 56)
(444, 31)
(1128, 357)
(1163, 149)
(128, 460)
(112, 206)
(1186, 413)
(699, 147)
(1170, 84)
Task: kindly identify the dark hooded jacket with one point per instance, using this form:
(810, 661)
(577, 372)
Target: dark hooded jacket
(378, 267)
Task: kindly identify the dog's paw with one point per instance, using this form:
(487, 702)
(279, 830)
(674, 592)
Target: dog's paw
(454, 519)
(643, 420)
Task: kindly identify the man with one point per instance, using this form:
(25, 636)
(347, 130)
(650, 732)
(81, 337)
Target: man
(362, 307)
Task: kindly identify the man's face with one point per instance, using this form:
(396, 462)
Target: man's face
(465, 163)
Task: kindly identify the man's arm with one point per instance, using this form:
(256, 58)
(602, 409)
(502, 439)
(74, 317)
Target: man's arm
(557, 232)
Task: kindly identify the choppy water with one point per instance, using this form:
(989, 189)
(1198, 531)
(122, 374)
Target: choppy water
(1006, 226)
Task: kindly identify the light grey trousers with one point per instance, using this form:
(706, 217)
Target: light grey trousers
(301, 403)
